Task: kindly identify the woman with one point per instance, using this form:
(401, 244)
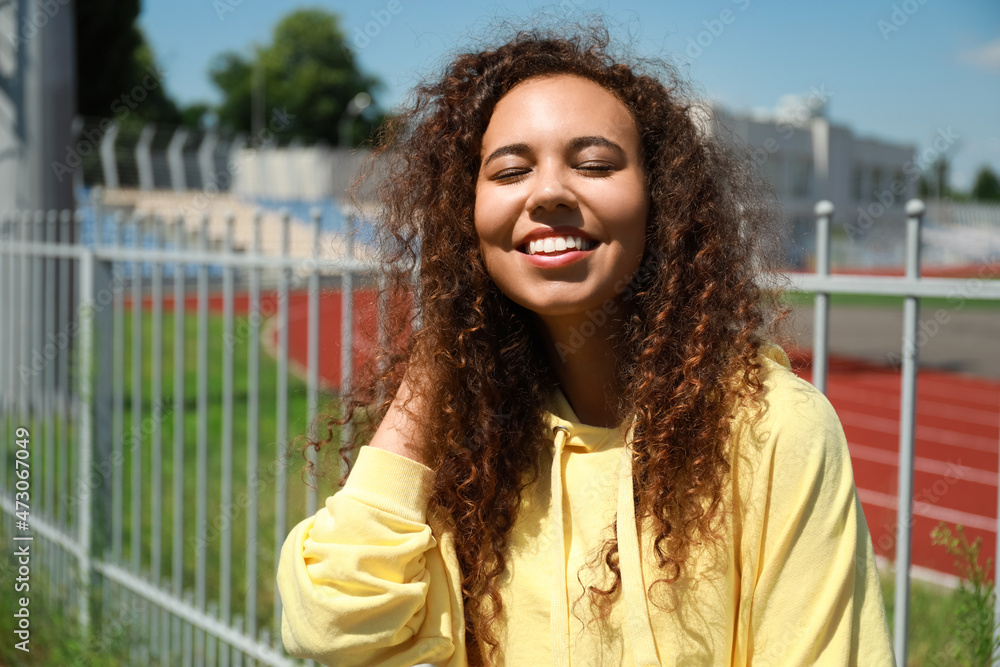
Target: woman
(590, 269)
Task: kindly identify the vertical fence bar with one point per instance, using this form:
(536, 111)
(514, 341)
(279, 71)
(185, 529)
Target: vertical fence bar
(6, 362)
(12, 311)
(135, 442)
(103, 350)
(187, 648)
(118, 418)
(85, 343)
(48, 395)
(166, 653)
(383, 326)
(16, 297)
(177, 557)
(225, 537)
(312, 355)
(821, 314)
(24, 298)
(212, 645)
(10, 351)
(253, 406)
(52, 417)
(65, 301)
(6, 333)
(281, 436)
(35, 335)
(907, 432)
(156, 409)
(347, 327)
(201, 468)
(73, 379)
(80, 502)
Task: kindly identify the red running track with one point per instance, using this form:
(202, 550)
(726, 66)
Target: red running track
(958, 428)
(957, 441)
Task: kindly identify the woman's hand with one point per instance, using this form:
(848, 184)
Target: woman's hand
(399, 430)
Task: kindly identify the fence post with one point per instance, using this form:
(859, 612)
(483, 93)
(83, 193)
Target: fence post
(907, 432)
(347, 331)
(312, 344)
(6, 360)
(175, 160)
(821, 311)
(108, 163)
(206, 160)
(103, 397)
(144, 157)
(84, 358)
(281, 426)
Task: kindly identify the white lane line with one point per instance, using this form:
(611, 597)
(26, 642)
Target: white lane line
(953, 469)
(974, 396)
(931, 433)
(881, 399)
(929, 511)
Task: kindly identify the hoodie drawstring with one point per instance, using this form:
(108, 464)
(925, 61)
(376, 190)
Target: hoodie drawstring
(630, 564)
(560, 593)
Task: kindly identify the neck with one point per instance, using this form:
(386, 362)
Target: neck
(583, 355)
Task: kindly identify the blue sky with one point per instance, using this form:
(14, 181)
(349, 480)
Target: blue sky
(894, 69)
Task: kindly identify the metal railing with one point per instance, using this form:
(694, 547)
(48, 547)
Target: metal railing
(97, 535)
(912, 287)
(63, 362)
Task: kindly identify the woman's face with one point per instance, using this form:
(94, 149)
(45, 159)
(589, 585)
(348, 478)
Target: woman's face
(561, 197)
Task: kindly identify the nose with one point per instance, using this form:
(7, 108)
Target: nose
(550, 190)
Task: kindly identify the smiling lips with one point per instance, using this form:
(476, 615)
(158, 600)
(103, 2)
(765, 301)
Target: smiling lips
(553, 248)
(554, 244)
(556, 241)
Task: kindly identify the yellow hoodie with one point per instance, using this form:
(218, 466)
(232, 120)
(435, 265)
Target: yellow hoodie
(367, 582)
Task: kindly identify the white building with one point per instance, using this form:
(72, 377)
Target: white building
(805, 158)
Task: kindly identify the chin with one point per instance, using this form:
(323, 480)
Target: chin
(561, 307)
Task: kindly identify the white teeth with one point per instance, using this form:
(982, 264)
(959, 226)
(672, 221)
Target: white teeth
(557, 244)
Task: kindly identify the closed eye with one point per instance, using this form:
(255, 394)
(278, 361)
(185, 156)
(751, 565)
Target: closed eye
(597, 168)
(510, 174)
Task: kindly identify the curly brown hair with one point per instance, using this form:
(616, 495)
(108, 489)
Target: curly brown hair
(697, 318)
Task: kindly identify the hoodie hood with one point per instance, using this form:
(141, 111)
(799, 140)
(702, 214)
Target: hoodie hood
(568, 434)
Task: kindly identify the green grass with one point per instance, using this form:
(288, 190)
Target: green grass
(264, 489)
(933, 621)
(267, 456)
(953, 303)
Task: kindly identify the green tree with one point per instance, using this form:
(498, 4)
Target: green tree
(987, 186)
(307, 71)
(115, 65)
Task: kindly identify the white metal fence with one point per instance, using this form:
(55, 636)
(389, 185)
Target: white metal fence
(88, 495)
(101, 540)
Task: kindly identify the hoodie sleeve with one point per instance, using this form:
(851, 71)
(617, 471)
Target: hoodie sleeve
(364, 582)
(810, 592)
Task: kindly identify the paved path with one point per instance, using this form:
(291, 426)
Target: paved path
(968, 341)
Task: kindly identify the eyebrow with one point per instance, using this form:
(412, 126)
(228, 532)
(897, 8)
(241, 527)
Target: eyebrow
(575, 144)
